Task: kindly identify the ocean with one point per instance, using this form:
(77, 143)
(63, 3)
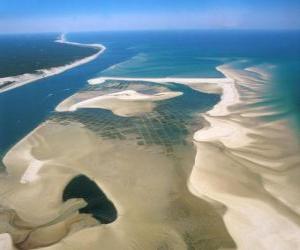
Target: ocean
(191, 123)
(145, 54)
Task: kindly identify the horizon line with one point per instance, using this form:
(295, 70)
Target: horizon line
(151, 30)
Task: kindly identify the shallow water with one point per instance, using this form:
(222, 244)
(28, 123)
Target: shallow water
(170, 123)
(142, 162)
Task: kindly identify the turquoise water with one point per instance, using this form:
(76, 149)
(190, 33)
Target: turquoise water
(117, 151)
(152, 54)
(169, 124)
(287, 84)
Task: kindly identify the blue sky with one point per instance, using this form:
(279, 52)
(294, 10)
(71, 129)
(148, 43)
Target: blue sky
(89, 15)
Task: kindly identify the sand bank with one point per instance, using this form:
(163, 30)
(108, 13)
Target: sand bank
(249, 164)
(245, 166)
(124, 103)
(11, 82)
(207, 85)
(100, 80)
(246, 162)
(27, 214)
(126, 173)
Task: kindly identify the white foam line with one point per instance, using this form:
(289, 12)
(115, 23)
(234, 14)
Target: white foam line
(23, 79)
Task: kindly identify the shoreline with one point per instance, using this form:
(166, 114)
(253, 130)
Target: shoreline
(11, 82)
(244, 163)
(124, 103)
(223, 86)
(76, 149)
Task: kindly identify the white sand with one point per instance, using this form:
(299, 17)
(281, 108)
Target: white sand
(124, 103)
(6, 242)
(43, 73)
(208, 85)
(245, 163)
(154, 207)
(31, 173)
(250, 166)
(100, 80)
(231, 134)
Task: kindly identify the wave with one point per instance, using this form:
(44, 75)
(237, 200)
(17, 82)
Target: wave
(11, 82)
(132, 63)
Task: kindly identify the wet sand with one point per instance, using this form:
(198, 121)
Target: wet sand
(247, 158)
(249, 162)
(246, 168)
(144, 176)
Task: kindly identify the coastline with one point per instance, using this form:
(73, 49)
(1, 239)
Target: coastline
(245, 165)
(244, 162)
(11, 82)
(119, 168)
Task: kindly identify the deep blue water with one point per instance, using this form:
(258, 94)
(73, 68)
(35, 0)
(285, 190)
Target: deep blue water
(152, 54)
(25, 53)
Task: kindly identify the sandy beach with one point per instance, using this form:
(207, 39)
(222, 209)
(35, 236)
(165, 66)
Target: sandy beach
(11, 82)
(124, 170)
(244, 162)
(245, 167)
(249, 164)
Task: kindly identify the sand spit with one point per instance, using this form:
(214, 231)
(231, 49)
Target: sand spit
(11, 82)
(189, 81)
(124, 103)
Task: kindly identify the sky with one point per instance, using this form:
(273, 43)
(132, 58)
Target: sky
(96, 15)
